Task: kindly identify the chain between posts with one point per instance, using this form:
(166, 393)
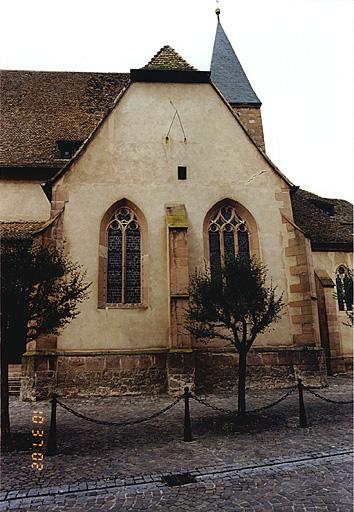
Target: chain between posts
(214, 407)
(52, 443)
(121, 423)
(290, 392)
(327, 399)
(229, 411)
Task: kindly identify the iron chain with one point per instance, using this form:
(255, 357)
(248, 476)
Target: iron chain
(122, 423)
(291, 390)
(229, 411)
(203, 402)
(327, 399)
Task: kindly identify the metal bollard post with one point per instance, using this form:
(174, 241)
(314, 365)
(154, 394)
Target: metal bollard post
(302, 412)
(187, 418)
(52, 438)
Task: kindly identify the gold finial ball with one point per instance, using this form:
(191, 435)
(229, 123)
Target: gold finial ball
(217, 11)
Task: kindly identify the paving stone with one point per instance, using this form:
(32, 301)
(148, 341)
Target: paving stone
(96, 464)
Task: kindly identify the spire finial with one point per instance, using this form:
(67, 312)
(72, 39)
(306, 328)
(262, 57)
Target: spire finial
(217, 10)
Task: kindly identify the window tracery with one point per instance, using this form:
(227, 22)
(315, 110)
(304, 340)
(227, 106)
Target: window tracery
(124, 257)
(228, 233)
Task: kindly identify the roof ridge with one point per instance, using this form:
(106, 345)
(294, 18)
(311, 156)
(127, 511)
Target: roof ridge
(168, 58)
(322, 198)
(58, 72)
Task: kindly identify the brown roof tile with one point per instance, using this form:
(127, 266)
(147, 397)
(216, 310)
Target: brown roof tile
(168, 58)
(38, 108)
(23, 229)
(19, 229)
(327, 222)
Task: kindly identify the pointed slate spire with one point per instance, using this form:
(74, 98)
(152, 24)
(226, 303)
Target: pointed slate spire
(228, 74)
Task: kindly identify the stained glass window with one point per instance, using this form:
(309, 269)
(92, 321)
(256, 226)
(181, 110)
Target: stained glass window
(124, 258)
(114, 270)
(344, 285)
(228, 234)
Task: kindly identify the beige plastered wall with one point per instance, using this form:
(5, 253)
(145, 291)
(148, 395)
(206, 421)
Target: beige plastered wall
(329, 261)
(23, 201)
(129, 157)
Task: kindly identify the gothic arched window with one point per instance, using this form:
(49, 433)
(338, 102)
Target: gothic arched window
(344, 285)
(123, 258)
(228, 233)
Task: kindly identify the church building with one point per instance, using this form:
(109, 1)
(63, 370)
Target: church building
(142, 177)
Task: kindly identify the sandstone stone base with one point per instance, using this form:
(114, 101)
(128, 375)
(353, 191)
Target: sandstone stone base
(180, 371)
(206, 370)
(342, 364)
(38, 375)
(112, 374)
(217, 370)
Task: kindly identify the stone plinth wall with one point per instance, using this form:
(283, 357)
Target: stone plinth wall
(111, 374)
(97, 374)
(217, 371)
(38, 375)
(205, 370)
(180, 371)
(342, 364)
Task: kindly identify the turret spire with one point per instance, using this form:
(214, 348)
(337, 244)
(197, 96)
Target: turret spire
(227, 72)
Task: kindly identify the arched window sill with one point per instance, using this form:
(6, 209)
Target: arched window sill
(122, 306)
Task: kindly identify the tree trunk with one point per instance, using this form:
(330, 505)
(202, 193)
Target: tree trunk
(5, 416)
(242, 382)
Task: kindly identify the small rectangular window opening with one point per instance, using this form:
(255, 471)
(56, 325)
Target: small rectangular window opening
(182, 173)
(67, 148)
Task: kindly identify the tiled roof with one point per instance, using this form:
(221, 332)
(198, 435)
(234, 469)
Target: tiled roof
(228, 74)
(38, 108)
(23, 229)
(327, 222)
(20, 229)
(168, 58)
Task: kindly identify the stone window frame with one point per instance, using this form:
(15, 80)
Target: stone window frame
(244, 214)
(103, 257)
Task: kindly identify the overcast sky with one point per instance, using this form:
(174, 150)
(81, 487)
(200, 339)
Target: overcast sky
(298, 55)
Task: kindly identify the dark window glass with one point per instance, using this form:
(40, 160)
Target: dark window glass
(67, 148)
(340, 290)
(348, 292)
(243, 243)
(215, 254)
(344, 285)
(124, 258)
(133, 266)
(229, 243)
(224, 226)
(182, 173)
(114, 264)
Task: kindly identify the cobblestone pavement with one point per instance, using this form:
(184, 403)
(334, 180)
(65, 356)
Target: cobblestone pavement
(315, 484)
(270, 464)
